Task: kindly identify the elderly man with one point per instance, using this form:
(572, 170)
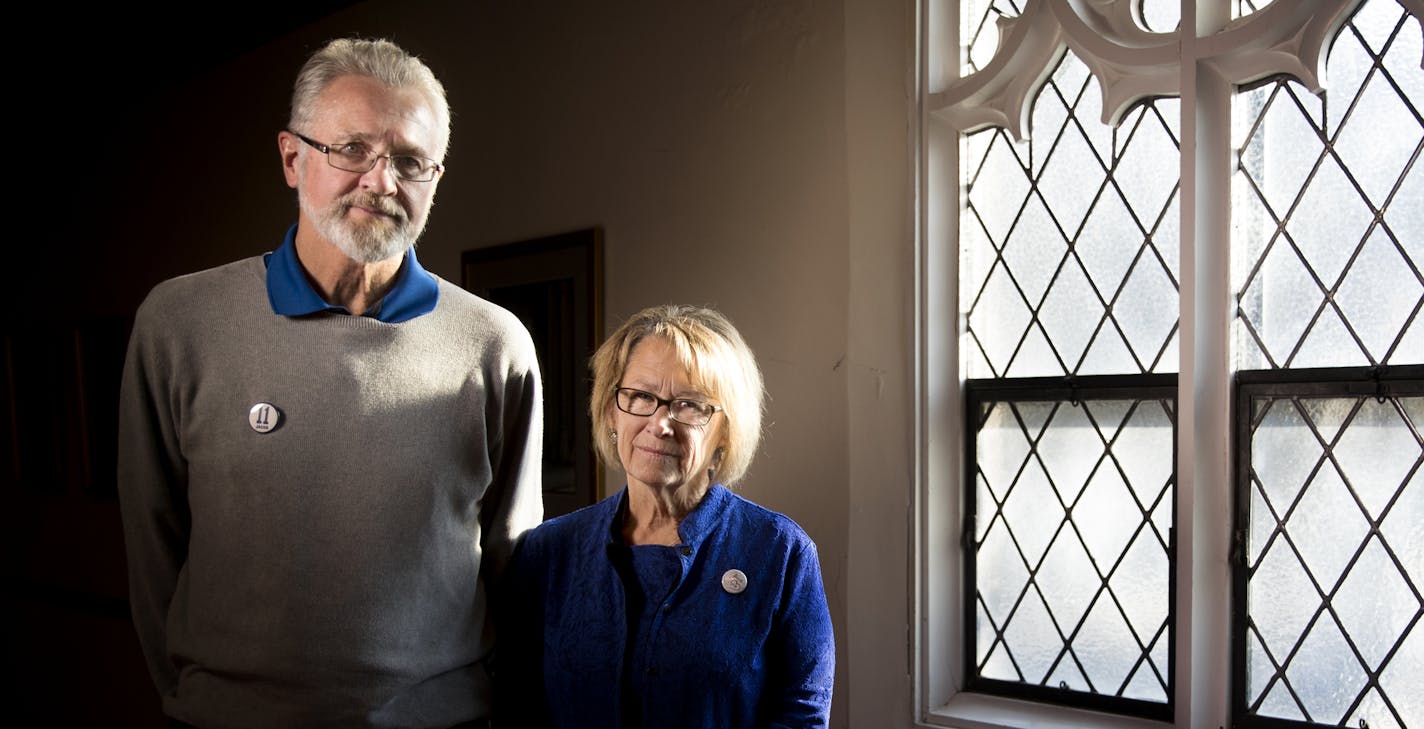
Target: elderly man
(327, 453)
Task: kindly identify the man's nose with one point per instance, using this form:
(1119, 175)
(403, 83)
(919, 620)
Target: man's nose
(381, 178)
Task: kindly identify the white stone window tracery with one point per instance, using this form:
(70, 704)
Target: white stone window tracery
(1080, 253)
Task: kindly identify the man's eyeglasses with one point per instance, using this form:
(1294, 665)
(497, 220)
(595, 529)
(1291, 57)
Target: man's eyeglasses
(357, 157)
(682, 409)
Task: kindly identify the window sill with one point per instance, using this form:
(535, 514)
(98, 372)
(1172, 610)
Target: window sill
(980, 711)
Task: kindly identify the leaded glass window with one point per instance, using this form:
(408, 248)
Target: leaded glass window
(1328, 244)
(1072, 537)
(1069, 285)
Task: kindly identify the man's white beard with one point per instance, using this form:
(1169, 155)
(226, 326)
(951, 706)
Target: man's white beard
(369, 242)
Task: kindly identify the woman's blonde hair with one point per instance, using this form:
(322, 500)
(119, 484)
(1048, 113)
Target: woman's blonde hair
(719, 363)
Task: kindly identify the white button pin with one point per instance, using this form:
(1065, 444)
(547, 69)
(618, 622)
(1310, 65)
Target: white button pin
(264, 417)
(734, 581)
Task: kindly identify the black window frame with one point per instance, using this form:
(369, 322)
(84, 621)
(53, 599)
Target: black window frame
(1380, 381)
(1070, 390)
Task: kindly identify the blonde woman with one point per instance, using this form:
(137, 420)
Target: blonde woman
(674, 602)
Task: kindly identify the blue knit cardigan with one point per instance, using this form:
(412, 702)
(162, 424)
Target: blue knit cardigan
(762, 657)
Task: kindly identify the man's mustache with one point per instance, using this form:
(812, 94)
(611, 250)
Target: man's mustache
(380, 204)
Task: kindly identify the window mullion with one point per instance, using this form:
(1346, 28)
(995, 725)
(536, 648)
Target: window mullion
(1204, 467)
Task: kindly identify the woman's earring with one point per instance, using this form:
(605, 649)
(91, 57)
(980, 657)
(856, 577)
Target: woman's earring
(613, 435)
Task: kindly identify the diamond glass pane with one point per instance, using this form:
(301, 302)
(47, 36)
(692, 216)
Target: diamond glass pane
(1080, 235)
(1333, 608)
(1325, 222)
(1072, 575)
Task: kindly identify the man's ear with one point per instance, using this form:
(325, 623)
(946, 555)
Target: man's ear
(290, 147)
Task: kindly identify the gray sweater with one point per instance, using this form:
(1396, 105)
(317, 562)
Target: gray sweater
(334, 570)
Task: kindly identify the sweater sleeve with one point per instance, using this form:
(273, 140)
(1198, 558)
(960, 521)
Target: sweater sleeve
(514, 502)
(803, 648)
(152, 485)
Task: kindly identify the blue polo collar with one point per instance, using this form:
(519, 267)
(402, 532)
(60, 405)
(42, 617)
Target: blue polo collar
(414, 292)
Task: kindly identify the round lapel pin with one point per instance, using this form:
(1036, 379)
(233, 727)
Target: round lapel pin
(264, 417)
(734, 581)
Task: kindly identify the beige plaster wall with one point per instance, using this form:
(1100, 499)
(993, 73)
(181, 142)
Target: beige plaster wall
(752, 155)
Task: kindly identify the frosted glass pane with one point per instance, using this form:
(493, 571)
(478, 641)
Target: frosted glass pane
(985, 636)
(1403, 60)
(1147, 310)
(1280, 704)
(999, 665)
(1034, 250)
(1374, 713)
(1071, 313)
(1375, 604)
(1035, 357)
(998, 320)
(1033, 512)
(1403, 529)
(1145, 685)
(1105, 647)
(1405, 220)
(1327, 527)
(1328, 343)
(1377, 166)
(1003, 447)
(1141, 176)
(1144, 451)
(1283, 453)
(1071, 449)
(1288, 301)
(1071, 179)
(1068, 580)
(1108, 353)
(978, 258)
(1325, 674)
(1259, 669)
(1167, 239)
(1281, 599)
(1003, 574)
(1107, 517)
(997, 189)
(1140, 585)
(1377, 451)
(1288, 148)
(1400, 679)
(1329, 223)
(1379, 295)
(1067, 676)
(1100, 244)
(1032, 639)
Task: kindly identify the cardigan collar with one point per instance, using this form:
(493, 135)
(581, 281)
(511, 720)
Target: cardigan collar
(694, 528)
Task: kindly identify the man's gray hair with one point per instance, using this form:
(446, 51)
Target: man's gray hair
(379, 59)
